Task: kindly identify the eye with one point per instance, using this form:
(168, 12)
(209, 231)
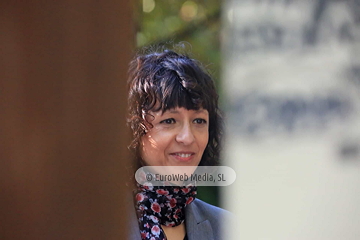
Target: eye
(200, 121)
(168, 121)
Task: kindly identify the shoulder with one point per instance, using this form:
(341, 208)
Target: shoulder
(205, 221)
(209, 211)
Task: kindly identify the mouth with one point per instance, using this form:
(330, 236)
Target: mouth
(183, 156)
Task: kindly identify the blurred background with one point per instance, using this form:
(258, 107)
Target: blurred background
(291, 77)
(195, 23)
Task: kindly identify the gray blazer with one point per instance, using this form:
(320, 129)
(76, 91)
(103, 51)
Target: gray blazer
(203, 222)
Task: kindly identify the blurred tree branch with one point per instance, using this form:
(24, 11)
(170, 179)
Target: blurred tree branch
(188, 30)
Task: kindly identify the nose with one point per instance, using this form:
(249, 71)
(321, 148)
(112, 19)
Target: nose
(185, 135)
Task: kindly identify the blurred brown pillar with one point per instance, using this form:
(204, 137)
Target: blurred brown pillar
(62, 118)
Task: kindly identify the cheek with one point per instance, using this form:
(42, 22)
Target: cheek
(146, 149)
(151, 148)
(204, 139)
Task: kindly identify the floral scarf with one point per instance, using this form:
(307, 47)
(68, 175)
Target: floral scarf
(164, 205)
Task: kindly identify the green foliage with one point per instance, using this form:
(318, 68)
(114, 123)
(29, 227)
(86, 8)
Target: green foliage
(168, 22)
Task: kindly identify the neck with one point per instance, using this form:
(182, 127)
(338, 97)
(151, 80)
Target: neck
(175, 233)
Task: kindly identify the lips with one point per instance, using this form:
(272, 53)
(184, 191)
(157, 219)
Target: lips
(183, 156)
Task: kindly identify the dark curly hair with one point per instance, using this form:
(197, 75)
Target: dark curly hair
(160, 81)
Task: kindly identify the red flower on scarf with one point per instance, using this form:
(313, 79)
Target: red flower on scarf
(173, 202)
(185, 190)
(155, 207)
(170, 224)
(162, 192)
(190, 199)
(144, 235)
(154, 219)
(139, 197)
(155, 230)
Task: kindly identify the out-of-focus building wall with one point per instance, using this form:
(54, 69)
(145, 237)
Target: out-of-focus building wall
(292, 80)
(63, 137)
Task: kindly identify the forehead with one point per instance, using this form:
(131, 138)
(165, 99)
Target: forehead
(180, 110)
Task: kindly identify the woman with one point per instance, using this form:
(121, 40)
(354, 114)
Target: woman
(175, 121)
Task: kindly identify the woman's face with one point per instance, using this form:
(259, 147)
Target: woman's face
(178, 137)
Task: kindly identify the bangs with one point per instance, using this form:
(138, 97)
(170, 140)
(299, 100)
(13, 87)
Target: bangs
(170, 92)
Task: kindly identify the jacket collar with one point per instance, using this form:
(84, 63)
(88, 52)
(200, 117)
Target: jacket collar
(197, 226)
